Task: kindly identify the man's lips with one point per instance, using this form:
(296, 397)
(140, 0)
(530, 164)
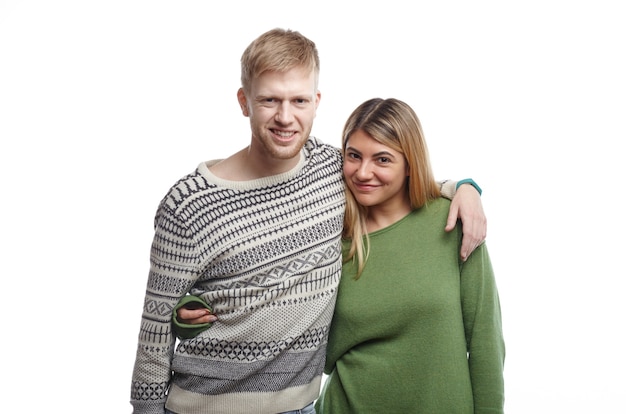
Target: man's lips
(283, 135)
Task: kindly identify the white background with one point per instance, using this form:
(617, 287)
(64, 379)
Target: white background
(105, 104)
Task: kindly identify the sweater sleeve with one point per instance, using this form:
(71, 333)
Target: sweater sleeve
(447, 188)
(173, 270)
(187, 330)
(483, 330)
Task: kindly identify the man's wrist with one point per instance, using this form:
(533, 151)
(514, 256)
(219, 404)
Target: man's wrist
(470, 182)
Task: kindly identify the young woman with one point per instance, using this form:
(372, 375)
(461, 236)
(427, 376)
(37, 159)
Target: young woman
(415, 329)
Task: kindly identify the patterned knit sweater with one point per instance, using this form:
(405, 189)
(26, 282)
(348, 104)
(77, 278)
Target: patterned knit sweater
(266, 256)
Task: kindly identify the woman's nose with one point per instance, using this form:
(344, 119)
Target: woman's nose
(364, 171)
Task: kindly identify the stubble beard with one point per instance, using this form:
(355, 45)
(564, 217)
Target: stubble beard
(282, 152)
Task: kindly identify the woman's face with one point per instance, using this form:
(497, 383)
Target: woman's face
(375, 174)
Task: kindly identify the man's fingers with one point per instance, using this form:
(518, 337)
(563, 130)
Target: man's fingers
(195, 316)
(453, 216)
(471, 241)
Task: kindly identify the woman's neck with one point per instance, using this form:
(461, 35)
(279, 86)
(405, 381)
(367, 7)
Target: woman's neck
(380, 217)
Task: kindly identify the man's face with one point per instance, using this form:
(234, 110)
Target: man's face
(281, 107)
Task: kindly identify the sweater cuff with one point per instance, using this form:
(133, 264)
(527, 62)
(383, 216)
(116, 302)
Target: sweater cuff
(186, 330)
(448, 188)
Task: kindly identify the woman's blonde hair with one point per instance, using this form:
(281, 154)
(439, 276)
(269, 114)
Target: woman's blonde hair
(394, 124)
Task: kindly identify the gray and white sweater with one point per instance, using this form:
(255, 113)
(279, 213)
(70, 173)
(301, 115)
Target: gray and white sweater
(266, 255)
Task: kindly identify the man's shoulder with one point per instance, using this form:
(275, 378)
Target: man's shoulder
(316, 145)
(184, 188)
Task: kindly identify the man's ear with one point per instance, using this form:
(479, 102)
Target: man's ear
(243, 102)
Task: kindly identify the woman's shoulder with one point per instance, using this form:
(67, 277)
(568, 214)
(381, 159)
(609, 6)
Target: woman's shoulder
(437, 206)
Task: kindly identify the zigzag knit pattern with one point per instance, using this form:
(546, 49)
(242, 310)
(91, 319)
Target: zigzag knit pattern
(266, 256)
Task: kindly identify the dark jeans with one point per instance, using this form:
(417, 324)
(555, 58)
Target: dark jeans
(309, 409)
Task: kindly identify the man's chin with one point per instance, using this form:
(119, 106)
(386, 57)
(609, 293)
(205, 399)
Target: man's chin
(286, 153)
(289, 150)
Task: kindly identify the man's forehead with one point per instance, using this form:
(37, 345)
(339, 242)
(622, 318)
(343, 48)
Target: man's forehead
(291, 82)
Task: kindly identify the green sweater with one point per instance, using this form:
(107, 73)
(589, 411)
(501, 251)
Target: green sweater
(420, 331)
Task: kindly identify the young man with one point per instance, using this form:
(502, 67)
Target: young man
(257, 237)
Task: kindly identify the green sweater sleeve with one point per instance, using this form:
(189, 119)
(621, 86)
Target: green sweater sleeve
(185, 330)
(483, 331)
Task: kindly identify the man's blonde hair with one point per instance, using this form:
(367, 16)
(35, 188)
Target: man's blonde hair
(278, 50)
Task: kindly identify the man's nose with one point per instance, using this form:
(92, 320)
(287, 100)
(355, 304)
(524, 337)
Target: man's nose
(284, 114)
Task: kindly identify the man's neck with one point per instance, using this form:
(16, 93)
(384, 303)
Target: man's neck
(242, 166)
